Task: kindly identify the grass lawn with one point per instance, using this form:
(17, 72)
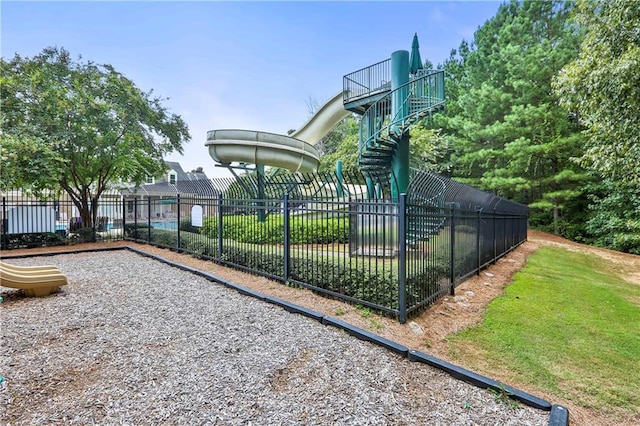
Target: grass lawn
(568, 325)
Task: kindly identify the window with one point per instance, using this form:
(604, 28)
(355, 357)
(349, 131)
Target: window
(150, 180)
(172, 178)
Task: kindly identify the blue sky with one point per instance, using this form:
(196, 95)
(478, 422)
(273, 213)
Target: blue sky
(245, 65)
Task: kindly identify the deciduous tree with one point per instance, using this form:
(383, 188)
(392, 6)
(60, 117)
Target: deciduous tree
(77, 126)
(602, 87)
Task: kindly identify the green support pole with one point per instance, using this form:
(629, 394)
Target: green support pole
(371, 188)
(340, 176)
(399, 110)
(262, 214)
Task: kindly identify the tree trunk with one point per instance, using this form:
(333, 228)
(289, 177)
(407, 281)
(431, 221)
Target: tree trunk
(86, 214)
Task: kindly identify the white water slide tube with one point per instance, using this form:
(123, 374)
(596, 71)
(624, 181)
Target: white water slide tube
(295, 152)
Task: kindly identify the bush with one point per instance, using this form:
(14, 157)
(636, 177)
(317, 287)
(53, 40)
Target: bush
(186, 226)
(137, 231)
(82, 235)
(30, 240)
(371, 287)
(163, 238)
(247, 229)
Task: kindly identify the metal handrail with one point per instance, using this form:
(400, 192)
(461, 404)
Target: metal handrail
(419, 88)
(366, 81)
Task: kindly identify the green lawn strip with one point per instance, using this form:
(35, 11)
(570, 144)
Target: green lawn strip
(568, 325)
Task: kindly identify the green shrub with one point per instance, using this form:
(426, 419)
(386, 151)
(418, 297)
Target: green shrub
(372, 287)
(429, 284)
(247, 229)
(138, 231)
(84, 234)
(163, 238)
(186, 226)
(198, 245)
(38, 239)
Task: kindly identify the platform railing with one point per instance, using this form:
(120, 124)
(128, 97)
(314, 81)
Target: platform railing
(367, 81)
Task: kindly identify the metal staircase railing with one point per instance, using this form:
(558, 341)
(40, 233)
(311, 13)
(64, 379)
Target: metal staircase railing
(367, 81)
(379, 130)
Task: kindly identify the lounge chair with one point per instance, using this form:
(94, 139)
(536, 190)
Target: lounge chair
(17, 268)
(35, 281)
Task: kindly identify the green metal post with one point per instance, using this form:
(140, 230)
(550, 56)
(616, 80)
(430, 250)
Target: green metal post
(399, 110)
(371, 190)
(340, 176)
(262, 215)
(220, 218)
(287, 238)
(402, 258)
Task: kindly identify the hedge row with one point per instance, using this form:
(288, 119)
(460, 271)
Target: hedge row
(361, 284)
(46, 239)
(247, 229)
(30, 240)
(367, 285)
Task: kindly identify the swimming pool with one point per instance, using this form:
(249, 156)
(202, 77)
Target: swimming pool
(169, 225)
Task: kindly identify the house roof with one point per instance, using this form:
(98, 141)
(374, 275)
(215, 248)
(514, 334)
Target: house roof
(187, 183)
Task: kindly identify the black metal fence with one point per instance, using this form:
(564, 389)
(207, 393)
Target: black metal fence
(345, 238)
(318, 232)
(27, 220)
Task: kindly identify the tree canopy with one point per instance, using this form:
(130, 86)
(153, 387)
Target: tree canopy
(602, 87)
(77, 126)
(510, 135)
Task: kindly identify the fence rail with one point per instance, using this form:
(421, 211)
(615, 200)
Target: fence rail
(396, 256)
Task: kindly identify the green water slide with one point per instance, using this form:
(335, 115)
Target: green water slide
(295, 152)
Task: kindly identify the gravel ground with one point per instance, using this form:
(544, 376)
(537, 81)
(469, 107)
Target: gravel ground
(133, 341)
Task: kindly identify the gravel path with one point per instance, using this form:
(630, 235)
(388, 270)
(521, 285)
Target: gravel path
(133, 341)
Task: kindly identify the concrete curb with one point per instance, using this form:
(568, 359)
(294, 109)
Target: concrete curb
(479, 380)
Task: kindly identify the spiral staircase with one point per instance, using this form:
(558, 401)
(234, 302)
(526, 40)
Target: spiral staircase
(381, 128)
(368, 92)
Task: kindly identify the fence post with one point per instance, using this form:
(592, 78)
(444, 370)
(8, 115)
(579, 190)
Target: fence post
(287, 235)
(124, 217)
(452, 254)
(135, 218)
(94, 219)
(178, 219)
(149, 220)
(402, 258)
(219, 226)
(478, 239)
(4, 243)
(495, 237)
(506, 237)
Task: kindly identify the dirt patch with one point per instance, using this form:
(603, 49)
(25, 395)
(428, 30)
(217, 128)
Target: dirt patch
(429, 331)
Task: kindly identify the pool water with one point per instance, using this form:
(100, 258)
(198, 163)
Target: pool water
(169, 225)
